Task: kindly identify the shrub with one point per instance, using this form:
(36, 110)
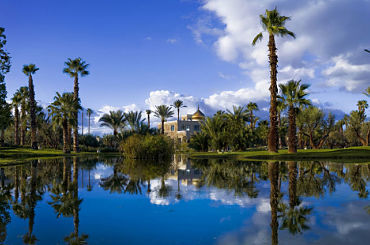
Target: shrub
(88, 140)
(147, 147)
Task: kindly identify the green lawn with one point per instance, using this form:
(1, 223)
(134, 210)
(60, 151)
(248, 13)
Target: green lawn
(349, 154)
(19, 154)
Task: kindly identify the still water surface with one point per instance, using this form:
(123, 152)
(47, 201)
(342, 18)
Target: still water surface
(112, 201)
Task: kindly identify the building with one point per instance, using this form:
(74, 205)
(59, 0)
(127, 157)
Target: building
(182, 130)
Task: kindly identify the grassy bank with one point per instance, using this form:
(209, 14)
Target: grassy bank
(18, 154)
(358, 154)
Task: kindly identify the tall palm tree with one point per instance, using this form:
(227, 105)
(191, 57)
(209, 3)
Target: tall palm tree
(163, 112)
(114, 120)
(24, 93)
(63, 112)
(16, 100)
(252, 107)
(178, 104)
(148, 112)
(74, 68)
(293, 94)
(29, 70)
(89, 112)
(273, 23)
(366, 50)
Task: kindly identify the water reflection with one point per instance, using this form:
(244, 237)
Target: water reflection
(291, 192)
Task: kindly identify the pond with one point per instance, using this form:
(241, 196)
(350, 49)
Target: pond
(115, 201)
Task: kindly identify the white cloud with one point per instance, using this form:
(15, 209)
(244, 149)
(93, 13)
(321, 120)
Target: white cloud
(349, 76)
(321, 35)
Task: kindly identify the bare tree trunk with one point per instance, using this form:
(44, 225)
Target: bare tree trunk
(32, 113)
(273, 132)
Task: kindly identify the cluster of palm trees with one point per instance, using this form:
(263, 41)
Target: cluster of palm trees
(64, 110)
(228, 130)
(119, 120)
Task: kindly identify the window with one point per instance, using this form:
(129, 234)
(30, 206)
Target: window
(196, 127)
(188, 128)
(172, 127)
(183, 127)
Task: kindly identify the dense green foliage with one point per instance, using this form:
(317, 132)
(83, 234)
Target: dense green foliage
(147, 147)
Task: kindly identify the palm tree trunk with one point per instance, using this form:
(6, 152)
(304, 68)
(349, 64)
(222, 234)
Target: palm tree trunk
(75, 127)
(149, 121)
(16, 125)
(178, 114)
(273, 172)
(16, 184)
(23, 124)
(279, 127)
(69, 133)
(76, 219)
(2, 135)
(292, 144)
(82, 122)
(162, 126)
(89, 123)
(293, 171)
(273, 132)
(65, 137)
(252, 120)
(32, 113)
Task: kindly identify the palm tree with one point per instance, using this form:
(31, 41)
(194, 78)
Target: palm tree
(73, 69)
(24, 94)
(178, 104)
(163, 112)
(148, 112)
(362, 106)
(63, 112)
(16, 100)
(114, 120)
(367, 92)
(366, 50)
(89, 112)
(252, 107)
(294, 217)
(29, 70)
(133, 118)
(273, 23)
(293, 95)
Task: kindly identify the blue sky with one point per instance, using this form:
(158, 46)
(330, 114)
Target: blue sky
(144, 53)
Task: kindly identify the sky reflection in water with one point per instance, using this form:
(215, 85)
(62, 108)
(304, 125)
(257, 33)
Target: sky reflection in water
(112, 201)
